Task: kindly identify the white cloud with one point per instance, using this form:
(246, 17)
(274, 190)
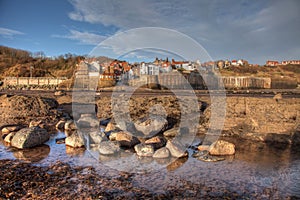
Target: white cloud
(243, 29)
(83, 37)
(9, 33)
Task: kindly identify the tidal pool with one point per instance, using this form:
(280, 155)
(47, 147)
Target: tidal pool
(257, 170)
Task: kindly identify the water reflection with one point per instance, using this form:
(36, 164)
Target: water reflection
(33, 154)
(75, 151)
(177, 163)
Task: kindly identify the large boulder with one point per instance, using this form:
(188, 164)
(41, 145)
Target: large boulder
(74, 140)
(151, 126)
(29, 137)
(176, 149)
(222, 147)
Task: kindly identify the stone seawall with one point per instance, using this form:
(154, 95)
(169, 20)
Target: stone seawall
(40, 81)
(197, 81)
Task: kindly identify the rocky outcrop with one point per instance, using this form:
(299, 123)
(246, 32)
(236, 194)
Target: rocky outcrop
(221, 148)
(18, 109)
(29, 137)
(264, 119)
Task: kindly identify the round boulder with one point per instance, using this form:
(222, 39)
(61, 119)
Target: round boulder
(29, 137)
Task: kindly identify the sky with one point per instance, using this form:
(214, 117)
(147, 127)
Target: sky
(254, 30)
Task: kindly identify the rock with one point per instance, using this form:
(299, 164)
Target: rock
(203, 147)
(152, 126)
(96, 137)
(39, 123)
(59, 93)
(75, 140)
(161, 153)
(176, 131)
(176, 149)
(60, 140)
(171, 133)
(108, 148)
(70, 125)
(88, 121)
(277, 97)
(157, 142)
(60, 125)
(222, 147)
(30, 137)
(125, 139)
(110, 127)
(105, 122)
(9, 137)
(144, 150)
(10, 128)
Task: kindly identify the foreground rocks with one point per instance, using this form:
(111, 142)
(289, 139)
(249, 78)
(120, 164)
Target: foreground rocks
(29, 137)
(62, 181)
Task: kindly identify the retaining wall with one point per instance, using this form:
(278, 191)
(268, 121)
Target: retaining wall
(33, 81)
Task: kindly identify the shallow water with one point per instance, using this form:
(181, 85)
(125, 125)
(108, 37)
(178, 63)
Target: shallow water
(256, 168)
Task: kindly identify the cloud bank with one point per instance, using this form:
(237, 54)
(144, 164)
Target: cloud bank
(255, 30)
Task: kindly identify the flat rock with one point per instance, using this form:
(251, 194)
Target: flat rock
(29, 137)
(222, 147)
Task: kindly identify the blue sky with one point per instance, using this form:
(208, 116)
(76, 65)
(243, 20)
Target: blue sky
(229, 29)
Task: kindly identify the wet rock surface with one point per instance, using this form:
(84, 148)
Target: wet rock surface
(29, 137)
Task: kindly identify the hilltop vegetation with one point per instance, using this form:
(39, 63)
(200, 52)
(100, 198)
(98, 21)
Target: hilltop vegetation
(16, 62)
